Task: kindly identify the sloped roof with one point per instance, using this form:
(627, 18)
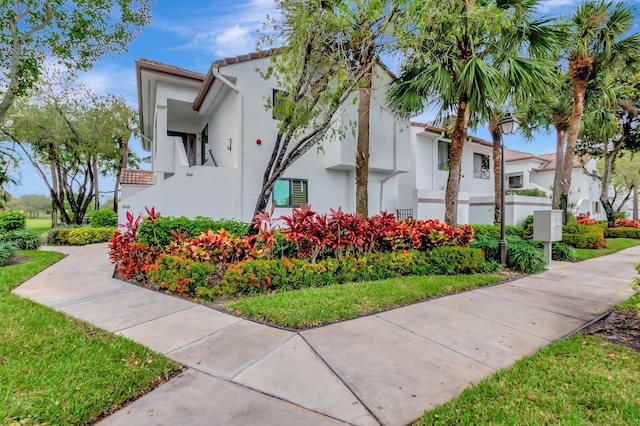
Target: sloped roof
(548, 161)
(137, 177)
(437, 129)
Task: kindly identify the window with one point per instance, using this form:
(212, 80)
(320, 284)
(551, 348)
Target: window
(596, 207)
(481, 166)
(443, 155)
(277, 105)
(515, 182)
(290, 193)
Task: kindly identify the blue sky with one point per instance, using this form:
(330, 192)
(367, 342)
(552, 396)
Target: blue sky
(193, 33)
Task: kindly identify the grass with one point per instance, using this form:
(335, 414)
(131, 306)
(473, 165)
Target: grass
(578, 381)
(58, 370)
(633, 302)
(39, 224)
(612, 245)
(314, 306)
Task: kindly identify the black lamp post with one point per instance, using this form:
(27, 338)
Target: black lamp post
(508, 126)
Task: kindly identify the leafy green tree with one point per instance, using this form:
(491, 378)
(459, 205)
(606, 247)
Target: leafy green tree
(76, 33)
(35, 203)
(610, 126)
(325, 60)
(459, 55)
(71, 132)
(597, 42)
(625, 180)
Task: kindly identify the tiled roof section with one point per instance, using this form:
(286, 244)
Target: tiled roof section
(436, 129)
(548, 161)
(137, 177)
(247, 57)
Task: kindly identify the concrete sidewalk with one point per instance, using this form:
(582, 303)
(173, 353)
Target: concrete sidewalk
(386, 368)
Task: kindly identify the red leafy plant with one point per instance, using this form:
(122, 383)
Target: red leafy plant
(585, 219)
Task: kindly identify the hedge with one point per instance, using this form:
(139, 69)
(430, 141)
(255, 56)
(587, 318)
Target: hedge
(103, 218)
(622, 232)
(11, 220)
(160, 233)
(78, 236)
(493, 231)
(259, 276)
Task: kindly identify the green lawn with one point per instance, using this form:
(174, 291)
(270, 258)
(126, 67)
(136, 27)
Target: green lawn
(318, 305)
(579, 381)
(612, 245)
(39, 224)
(58, 370)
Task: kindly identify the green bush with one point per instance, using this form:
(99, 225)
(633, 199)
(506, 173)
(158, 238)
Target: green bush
(165, 225)
(11, 220)
(103, 218)
(562, 252)
(23, 239)
(621, 215)
(258, 276)
(526, 257)
(180, 275)
(636, 281)
(622, 232)
(494, 230)
(7, 251)
(59, 235)
(87, 235)
(527, 226)
(528, 192)
(583, 236)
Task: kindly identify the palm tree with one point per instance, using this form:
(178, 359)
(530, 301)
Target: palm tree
(461, 52)
(596, 43)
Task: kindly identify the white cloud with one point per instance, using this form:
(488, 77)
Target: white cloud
(554, 5)
(233, 41)
(111, 79)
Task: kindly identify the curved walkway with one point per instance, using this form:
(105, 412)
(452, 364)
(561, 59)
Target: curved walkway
(385, 369)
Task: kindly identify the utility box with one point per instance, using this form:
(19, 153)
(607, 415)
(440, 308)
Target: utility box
(547, 225)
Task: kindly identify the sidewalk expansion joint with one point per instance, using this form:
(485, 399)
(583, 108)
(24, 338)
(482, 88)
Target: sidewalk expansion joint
(346, 385)
(151, 320)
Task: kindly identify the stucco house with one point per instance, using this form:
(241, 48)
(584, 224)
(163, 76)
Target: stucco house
(209, 137)
(526, 170)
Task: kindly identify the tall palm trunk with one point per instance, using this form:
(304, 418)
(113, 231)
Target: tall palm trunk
(579, 70)
(455, 162)
(557, 176)
(362, 154)
(94, 165)
(496, 138)
(604, 190)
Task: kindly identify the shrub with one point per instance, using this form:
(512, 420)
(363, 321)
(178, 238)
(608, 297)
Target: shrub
(494, 230)
(636, 281)
(11, 220)
(178, 274)
(258, 276)
(526, 192)
(621, 215)
(86, 235)
(132, 258)
(622, 232)
(562, 252)
(159, 231)
(59, 235)
(585, 219)
(527, 226)
(629, 223)
(583, 236)
(525, 257)
(103, 219)
(23, 239)
(7, 251)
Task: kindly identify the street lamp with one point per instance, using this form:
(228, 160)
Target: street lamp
(508, 126)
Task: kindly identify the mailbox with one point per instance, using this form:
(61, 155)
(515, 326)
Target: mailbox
(547, 225)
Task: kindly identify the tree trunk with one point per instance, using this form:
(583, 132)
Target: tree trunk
(604, 189)
(635, 202)
(54, 186)
(496, 138)
(455, 162)
(362, 154)
(96, 204)
(557, 176)
(579, 71)
(123, 165)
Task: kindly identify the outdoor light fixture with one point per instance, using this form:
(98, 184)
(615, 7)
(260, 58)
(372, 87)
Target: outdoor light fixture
(508, 126)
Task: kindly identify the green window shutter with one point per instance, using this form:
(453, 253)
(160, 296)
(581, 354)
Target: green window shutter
(281, 192)
(299, 193)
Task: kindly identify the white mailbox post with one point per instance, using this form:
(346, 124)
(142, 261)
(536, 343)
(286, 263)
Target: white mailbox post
(547, 227)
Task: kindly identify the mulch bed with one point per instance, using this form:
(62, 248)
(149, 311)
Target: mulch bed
(620, 327)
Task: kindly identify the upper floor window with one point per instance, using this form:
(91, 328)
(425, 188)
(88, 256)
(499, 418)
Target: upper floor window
(443, 155)
(481, 166)
(515, 182)
(290, 193)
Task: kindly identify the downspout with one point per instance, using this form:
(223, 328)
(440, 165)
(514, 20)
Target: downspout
(233, 87)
